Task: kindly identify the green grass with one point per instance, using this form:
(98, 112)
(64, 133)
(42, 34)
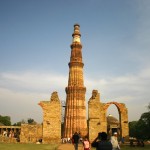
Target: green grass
(8, 146)
(147, 147)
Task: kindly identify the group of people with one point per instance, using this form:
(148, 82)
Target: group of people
(66, 140)
(76, 139)
(9, 134)
(101, 142)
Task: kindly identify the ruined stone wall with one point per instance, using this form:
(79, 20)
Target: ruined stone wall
(97, 112)
(51, 119)
(30, 133)
(124, 122)
(94, 109)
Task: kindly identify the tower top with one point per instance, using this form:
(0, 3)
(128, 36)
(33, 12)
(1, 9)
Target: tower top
(76, 25)
(76, 34)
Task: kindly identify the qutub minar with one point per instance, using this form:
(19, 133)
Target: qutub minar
(50, 131)
(75, 111)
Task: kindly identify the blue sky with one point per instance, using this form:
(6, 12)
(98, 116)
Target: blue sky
(35, 38)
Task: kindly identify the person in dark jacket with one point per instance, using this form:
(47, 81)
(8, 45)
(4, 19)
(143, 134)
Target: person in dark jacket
(75, 140)
(101, 142)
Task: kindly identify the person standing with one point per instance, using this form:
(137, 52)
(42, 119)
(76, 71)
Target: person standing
(114, 141)
(75, 140)
(101, 142)
(86, 144)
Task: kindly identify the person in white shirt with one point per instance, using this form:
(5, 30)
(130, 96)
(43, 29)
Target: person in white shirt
(114, 141)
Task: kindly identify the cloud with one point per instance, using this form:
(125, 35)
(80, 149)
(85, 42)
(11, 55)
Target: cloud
(20, 105)
(21, 92)
(129, 82)
(131, 89)
(32, 81)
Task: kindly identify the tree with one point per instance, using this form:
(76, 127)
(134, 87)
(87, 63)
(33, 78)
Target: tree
(144, 125)
(140, 129)
(145, 117)
(5, 120)
(132, 128)
(31, 121)
(17, 123)
(20, 122)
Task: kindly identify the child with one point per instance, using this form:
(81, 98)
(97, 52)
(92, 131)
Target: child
(86, 144)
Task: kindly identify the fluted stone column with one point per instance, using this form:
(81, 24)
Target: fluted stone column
(75, 112)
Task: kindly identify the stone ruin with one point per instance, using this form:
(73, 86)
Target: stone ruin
(97, 120)
(75, 118)
(50, 130)
(51, 119)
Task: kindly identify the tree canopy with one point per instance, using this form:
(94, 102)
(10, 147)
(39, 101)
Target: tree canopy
(140, 129)
(5, 120)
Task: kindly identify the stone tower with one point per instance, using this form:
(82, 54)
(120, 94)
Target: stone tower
(75, 111)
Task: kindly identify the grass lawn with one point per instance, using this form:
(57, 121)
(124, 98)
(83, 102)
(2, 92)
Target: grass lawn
(8, 146)
(147, 147)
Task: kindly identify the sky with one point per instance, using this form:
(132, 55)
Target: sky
(35, 39)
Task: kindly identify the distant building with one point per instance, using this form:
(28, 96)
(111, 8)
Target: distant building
(113, 125)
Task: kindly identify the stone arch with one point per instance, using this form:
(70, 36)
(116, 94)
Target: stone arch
(123, 117)
(97, 121)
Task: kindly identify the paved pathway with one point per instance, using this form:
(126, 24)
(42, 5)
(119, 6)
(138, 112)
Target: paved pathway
(69, 146)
